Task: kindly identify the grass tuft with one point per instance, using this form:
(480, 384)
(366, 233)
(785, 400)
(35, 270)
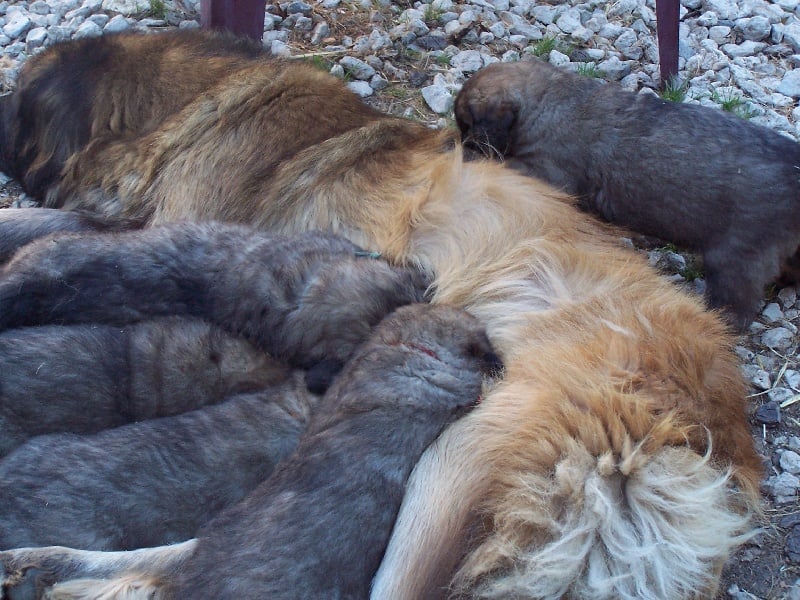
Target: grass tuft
(674, 90)
(590, 70)
(158, 10)
(732, 103)
(543, 47)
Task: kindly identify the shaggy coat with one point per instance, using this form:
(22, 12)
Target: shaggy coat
(84, 92)
(317, 528)
(689, 174)
(86, 378)
(613, 461)
(307, 300)
(149, 483)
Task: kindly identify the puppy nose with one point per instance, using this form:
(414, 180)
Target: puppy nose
(492, 364)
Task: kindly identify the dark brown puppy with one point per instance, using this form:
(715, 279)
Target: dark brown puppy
(85, 378)
(317, 528)
(309, 300)
(149, 483)
(689, 174)
(94, 88)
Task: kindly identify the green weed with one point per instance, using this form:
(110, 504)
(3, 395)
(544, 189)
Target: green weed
(590, 70)
(158, 10)
(674, 90)
(732, 103)
(543, 47)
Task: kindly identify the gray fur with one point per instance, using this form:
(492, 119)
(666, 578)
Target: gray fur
(149, 483)
(85, 378)
(689, 174)
(306, 299)
(19, 227)
(319, 526)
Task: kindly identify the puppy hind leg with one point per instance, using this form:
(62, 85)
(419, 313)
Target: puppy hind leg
(27, 572)
(735, 281)
(127, 587)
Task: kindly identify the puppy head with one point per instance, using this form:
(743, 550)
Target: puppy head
(445, 348)
(487, 108)
(341, 301)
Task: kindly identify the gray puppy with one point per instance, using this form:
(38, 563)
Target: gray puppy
(318, 527)
(699, 177)
(309, 300)
(149, 483)
(20, 226)
(85, 378)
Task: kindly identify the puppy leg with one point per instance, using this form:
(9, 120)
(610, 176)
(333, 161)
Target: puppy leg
(26, 573)
(735, 280)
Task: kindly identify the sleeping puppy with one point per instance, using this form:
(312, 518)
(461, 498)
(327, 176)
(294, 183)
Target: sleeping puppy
(149, 483)
(21, 226)
(309, 300)
(85, 378)
(688, 174)
(317, 528)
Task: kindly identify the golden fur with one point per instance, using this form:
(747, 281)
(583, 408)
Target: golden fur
(614, 461)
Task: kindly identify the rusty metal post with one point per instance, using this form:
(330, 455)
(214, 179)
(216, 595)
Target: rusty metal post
(667, 24)
(242, 17)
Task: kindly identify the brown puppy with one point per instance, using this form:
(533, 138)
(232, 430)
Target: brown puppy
(688, 174)
(617, 385)
(85, 378)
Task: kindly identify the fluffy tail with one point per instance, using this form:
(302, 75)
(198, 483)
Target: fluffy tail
(578, 479)
(635, 527)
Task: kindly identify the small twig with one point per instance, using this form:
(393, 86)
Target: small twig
(313, 54)
(790, 401)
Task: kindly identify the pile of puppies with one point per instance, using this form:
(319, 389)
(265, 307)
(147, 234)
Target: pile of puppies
(612, 461)
(295, 494)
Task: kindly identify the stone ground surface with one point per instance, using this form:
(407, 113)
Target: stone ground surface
(411, 59)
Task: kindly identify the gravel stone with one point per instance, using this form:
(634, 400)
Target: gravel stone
(360, 88)
(88, 29)
(357, 68)
(754, 28)
(790, 462)
(468, 61)
(438, 98)
(779, 338)
(783, 486)
(793, 545)
(769, 414)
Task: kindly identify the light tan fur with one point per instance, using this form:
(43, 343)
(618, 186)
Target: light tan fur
(617, 442)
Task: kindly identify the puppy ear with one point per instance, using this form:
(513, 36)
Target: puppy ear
(320, 376)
